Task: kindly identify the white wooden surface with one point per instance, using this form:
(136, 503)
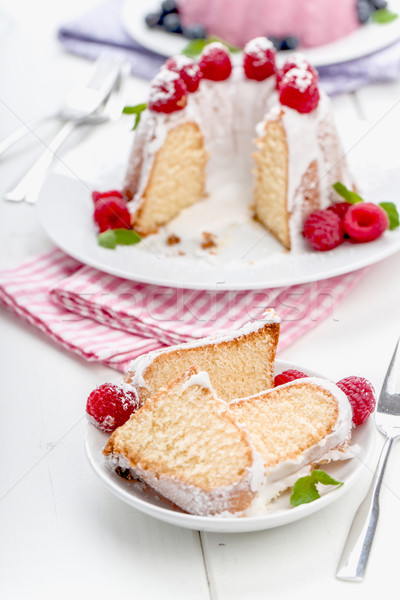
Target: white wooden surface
(61, 532)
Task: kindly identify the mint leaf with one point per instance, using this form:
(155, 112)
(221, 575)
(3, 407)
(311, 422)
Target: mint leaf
(304, 491)
(350, 196)
(392, 213)
(135, 110)
(195, 47)
(107, 239)
(305, 488)
(126, 237)
(383, 16)
(322, 477)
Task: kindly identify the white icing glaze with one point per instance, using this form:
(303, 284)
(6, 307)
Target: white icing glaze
(138, 367)
(283, 475)
(266, 484)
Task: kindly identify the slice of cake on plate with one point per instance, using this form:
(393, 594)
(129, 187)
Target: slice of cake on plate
(239, 363)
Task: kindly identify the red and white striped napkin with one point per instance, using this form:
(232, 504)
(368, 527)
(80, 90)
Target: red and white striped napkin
(110, 320)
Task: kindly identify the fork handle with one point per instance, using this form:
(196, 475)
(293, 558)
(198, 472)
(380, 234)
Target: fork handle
(353, 562)
(21, 132)
(29, 186)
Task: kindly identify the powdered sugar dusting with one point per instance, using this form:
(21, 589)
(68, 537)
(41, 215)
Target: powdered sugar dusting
(258, 48)
(163, 86)
(214, 46)
(300, 77)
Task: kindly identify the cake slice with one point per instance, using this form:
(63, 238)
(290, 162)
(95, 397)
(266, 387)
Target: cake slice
(239, 363)
(293, 426)
(185, 443)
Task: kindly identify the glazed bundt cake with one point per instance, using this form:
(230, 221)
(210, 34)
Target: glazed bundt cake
(239, 363)
(209, 457)
(185, 443)
(310, 22)
(202, 118)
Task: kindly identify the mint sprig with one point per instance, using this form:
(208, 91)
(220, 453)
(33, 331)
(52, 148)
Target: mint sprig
(392, 213)
(112, 237)
(383, 16)
(196, 47)
(350, 196)
(305, 488)
(135, 110)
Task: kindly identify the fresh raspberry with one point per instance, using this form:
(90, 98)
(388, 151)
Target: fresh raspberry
(339, 208)
(98, 195)
(215, 62)
(167, 92)
(288, 375)
(365, 222)
(361, 395)
(187, 69)
(259, 59)
(110, 406)
(298, 89)
(297, 61)
(323, 230)
(111, 213)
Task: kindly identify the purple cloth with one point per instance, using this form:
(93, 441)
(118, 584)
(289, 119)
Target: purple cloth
(88, 34)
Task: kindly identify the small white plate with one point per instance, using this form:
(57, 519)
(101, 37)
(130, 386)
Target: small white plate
(368, 39)
(146, 500)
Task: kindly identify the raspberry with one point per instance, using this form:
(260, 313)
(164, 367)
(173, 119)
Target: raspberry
(297, 61)
(98, 195)
(111, 213)
(339, 208)
(288, 375)
(259, 59)
(298, 89)
(215, 62)
(187, 69)
(110, 406)
(365, 222)
(167, 92)
(361, 395)
(323, 230)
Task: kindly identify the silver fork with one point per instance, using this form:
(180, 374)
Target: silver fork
(80, 106)
(353, 562)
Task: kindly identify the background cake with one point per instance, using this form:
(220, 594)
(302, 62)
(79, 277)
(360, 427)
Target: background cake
(201, 121)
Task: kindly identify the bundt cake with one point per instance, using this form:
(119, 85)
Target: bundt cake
(304, 422)
(184, 442)
(202, 119)
(210, 457)
(311, 22)
(239, 363)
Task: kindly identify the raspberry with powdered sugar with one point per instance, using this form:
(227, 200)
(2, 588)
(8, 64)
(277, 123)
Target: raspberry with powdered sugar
(298, 89)
(187, 69)
(259, 59)
(168, 92)
(215, 62)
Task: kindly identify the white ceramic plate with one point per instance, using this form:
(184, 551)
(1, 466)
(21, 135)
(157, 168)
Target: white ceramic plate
(146, 500)
(248, 258)
(368, 39)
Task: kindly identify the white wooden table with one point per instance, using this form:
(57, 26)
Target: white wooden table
(62, 534)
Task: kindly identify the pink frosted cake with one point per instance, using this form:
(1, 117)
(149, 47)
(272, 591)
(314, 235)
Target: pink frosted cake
(313, 22)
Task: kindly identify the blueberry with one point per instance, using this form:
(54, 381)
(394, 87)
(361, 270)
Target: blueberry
(378, 4)
(364, 10)
(153, 19)
(169, 6)
(289, 43)
(195, 32)
(276, 41)
(172, 23)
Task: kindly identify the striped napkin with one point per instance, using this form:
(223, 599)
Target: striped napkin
(110, 320)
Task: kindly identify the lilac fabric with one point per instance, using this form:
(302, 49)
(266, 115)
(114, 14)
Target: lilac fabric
(102, 27)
